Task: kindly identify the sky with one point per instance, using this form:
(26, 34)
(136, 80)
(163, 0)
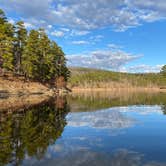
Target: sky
(118, 35)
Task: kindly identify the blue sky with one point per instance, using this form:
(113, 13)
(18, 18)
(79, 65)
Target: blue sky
(119, 35)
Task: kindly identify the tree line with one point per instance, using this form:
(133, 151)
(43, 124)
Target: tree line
(31, 54)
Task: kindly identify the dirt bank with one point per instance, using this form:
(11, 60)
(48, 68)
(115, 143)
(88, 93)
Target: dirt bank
(10, 85)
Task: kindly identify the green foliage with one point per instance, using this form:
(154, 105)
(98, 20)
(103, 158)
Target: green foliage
(61, 64)
(31, 58)
(43, 59)
(31, 131)
(163, 70)
(33, 54)
(19, 45)
(2, 17)
(6, 42)
(82, 77)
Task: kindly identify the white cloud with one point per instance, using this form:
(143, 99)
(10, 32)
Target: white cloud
(107, 119)
(102, 59)
(91, 40)
(68, 32)
(79, 33)
(85, 15)
(49, 26)
(28, 25)
(65, 29)
(11, 21)
(80, 42)
(142, 110)
(144, 69)
(96, 38)
(114, 46)
(57, 33)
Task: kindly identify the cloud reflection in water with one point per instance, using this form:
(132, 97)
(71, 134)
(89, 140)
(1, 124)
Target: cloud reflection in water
(106, 119)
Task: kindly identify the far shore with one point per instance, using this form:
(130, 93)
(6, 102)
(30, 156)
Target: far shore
(132, 89)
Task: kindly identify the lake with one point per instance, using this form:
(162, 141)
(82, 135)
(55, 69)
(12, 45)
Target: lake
(87, 129)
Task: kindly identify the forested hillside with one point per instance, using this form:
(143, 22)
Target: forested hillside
(94, 78)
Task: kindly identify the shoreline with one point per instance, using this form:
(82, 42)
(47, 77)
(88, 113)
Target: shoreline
(132, 89)
(18, 86)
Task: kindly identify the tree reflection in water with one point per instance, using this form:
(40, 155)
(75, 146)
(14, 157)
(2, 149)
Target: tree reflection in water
(163, 107)
(28, 132)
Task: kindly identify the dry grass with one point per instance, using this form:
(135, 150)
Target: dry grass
(18, 85)
(119, 90)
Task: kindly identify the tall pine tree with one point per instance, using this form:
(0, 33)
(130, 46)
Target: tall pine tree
(31, 55)
(61, 68)
(44, 53)
(19, 45)
(6, 42)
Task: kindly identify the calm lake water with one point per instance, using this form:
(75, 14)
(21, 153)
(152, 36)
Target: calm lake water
(96, 129)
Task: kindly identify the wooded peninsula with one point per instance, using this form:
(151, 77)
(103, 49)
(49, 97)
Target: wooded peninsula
(29, 55)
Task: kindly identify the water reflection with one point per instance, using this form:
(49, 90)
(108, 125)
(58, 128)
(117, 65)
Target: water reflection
(121, 157)
(91, 139)
(107, 119)
(163, 107)
(84, 129)
(92, 101)
(29, 132)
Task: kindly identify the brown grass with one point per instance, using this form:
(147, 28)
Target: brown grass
(119, 89)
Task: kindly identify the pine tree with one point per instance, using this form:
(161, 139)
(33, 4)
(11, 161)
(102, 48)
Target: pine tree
(163, 70)
(44, 53)
(3, 18)
(31, 56)
(61, 64)
(53, 72)
(58, 62)
(19, 45)
(6, 42)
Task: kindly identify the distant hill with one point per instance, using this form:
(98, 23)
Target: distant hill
(95, 78)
